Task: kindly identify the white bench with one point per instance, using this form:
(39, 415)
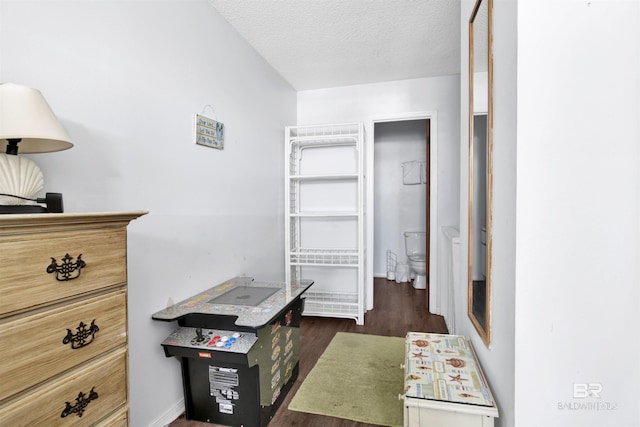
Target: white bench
(444, 384)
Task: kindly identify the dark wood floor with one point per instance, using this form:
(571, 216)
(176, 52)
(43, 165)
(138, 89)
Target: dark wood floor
(398, 309)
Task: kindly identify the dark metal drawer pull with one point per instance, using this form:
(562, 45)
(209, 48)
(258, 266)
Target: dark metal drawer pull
(83, 337)
(81, 403)
(66, 270)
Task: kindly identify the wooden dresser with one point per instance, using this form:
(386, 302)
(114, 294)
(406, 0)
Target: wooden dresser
(63, 319)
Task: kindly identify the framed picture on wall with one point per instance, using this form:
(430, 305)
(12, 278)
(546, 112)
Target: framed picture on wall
(209, 132)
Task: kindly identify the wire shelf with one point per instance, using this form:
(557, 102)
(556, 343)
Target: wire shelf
(331, 304)
(324, 130)
(324, 213)
(334, 257)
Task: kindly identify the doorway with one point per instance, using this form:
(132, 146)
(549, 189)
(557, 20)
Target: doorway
(400, 203)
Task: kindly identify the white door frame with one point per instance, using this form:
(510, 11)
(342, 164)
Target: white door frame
(433, 196)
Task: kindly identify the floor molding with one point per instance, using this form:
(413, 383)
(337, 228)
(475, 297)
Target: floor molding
(170, 415)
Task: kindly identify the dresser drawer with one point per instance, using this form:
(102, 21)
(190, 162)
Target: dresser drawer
(40, 346)
(118, 419)
(54, 403)
(27, 278)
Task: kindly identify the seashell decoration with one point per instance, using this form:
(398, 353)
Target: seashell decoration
(456, 363)
(21, 177)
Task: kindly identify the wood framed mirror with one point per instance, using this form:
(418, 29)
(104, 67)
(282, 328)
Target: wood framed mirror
(480, 168)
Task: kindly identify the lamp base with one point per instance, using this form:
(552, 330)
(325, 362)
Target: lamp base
(22, 209)
(53, 202)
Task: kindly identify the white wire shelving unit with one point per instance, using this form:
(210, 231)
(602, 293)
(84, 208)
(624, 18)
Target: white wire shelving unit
(324, 214)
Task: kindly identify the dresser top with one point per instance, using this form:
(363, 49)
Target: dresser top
(11, 223)
(253, 303)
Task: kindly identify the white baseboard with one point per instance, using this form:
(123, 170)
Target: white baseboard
(170, 415)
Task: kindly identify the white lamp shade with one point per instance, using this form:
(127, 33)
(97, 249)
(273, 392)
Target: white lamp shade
(26, 115)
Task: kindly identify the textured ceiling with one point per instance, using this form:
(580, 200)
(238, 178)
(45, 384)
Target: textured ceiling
(328, 43)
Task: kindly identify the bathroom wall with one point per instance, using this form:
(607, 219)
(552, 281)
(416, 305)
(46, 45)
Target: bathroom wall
(125, 79)
(397, 207)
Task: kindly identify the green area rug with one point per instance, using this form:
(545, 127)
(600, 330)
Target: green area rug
(358, 377)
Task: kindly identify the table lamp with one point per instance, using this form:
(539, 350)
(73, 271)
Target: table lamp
(27, 123)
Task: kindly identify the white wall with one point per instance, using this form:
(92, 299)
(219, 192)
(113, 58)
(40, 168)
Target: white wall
(366, 103)
(125, 79)
(397, 207)
(565, 273)
(578, 222)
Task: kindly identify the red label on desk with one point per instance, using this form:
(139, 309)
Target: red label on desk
(204, 355)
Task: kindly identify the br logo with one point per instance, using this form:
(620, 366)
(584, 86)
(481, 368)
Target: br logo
(585, 390)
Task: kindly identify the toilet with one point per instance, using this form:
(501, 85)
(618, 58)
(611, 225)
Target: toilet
(415, 245)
